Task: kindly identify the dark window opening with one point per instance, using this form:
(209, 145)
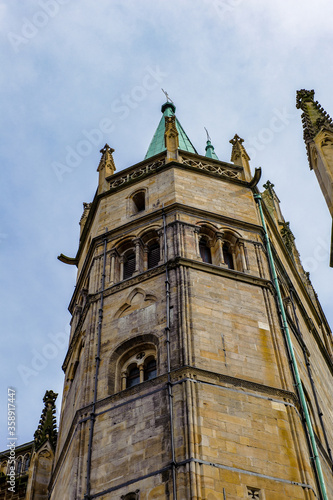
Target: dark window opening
(150, 370)
(153, 255)
(227, 256)
(131, 496)
(205, 251)
(139, 201)
(27, 462)
(133, 377)
(129, 265)
(19, 466)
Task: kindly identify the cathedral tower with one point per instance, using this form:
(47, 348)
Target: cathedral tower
(199, 358)
(318, 137)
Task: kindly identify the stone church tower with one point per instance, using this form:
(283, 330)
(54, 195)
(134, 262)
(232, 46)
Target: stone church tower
(200, 362)
(318, 138)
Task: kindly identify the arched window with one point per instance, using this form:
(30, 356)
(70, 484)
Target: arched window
(133, 376)
(26, 462)
(3, 467)
(138, 366)
(150, 369)
(227, 256)
(129, 265)
(139, 202)
(19, 466)
(153, 255)
(205, 251)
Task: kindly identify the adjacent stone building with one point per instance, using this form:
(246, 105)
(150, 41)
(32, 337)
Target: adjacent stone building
(200, 361)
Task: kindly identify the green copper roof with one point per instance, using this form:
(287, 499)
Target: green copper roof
(157, 144)
(210, 153)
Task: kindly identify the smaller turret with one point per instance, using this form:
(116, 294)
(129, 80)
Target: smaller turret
(210, 153)
(105, 168)
(318, 138)
(47, 430)
(240, 157)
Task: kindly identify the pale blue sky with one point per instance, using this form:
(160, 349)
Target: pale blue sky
(71, 67)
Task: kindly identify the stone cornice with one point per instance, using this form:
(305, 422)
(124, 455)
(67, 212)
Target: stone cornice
(146, 168)
(222, 271)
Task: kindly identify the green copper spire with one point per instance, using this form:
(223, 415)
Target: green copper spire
(157, 144)
(210, 153)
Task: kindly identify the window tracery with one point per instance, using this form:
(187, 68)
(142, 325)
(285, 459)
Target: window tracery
(253, 493)
(137, 367)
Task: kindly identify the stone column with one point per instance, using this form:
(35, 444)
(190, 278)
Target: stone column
(219, 238)
(196, 238)
(142, 373)
(145, 257)
(123, 380)
(243, 256)
(113, 263)
(137, 243)
(121, 260)
(161, 236)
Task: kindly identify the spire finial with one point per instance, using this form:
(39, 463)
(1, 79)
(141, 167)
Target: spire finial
(208, 137)
(167, 96)
(210, 153)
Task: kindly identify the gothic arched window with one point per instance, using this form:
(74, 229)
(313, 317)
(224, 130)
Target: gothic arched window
(19, 466)
(26, 462)
(205, 251)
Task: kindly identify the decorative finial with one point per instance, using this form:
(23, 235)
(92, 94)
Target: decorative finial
(167, 96)
(47, 425)
(210, 153)
(208, 137)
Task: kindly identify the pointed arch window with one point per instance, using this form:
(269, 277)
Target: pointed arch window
(26, 463)
(19, 466)
(227, 256)
(205, 251)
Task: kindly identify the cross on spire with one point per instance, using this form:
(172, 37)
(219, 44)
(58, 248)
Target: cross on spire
(167, 96)
(208, 137)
